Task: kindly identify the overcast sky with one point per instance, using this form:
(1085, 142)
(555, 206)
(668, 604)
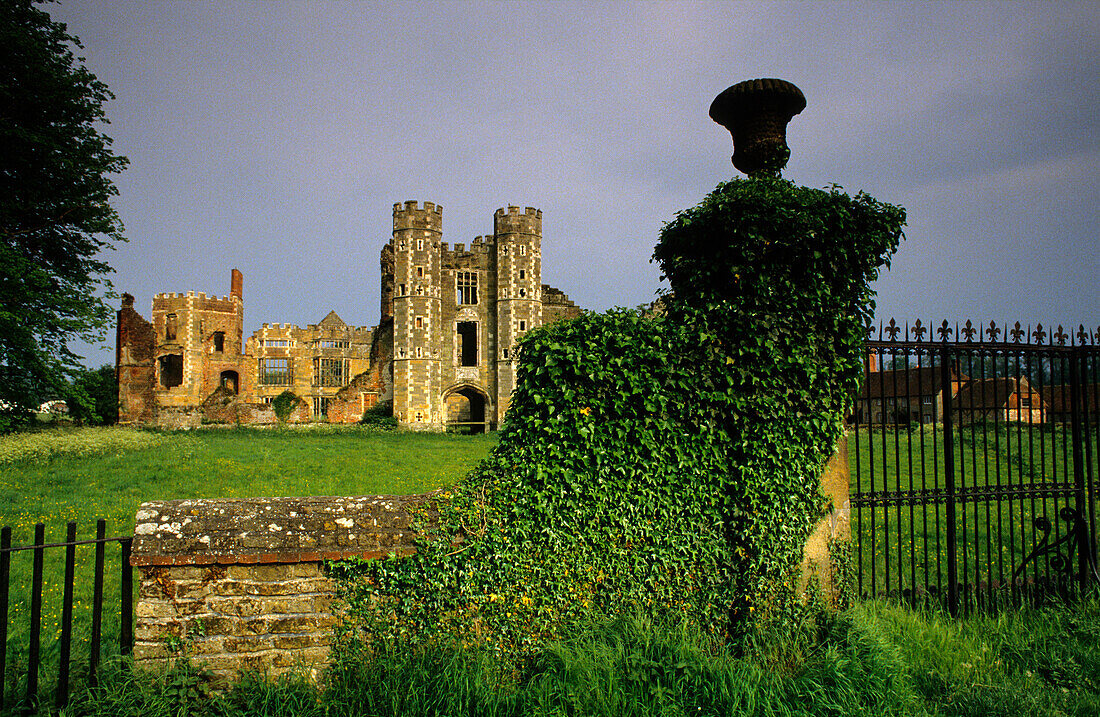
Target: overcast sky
(275, 137)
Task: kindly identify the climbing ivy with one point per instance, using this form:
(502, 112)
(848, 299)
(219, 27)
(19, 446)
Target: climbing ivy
(284, 404)
(669, 462)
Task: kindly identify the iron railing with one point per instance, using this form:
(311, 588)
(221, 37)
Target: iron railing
(973, 458)
(65, 637)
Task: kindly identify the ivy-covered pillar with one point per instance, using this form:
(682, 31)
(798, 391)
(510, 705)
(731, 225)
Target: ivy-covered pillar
(771, 284)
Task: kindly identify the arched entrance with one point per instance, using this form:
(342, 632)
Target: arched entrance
(466, 410)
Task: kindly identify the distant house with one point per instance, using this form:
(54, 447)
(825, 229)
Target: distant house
(904, 395)
(1059, 409)
(999, 399)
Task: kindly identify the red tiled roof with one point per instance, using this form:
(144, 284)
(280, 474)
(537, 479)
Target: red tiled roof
(904, 383)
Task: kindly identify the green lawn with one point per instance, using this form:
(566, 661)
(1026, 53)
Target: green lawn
(86, 474)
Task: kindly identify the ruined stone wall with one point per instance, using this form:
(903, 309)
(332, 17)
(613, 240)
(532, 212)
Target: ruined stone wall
(240, 584)
(556, 306)
(419, 369)
(135, 345)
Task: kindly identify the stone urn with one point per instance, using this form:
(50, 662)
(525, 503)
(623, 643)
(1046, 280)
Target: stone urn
(756, 113)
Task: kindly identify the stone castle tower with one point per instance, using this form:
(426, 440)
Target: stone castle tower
(442, 352)
(457, 313)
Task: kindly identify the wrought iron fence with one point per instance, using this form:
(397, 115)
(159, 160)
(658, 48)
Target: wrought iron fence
(973, 456)
(30, 672)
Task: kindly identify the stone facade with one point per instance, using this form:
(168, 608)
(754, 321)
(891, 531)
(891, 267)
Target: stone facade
(440, 356)
(240, 584)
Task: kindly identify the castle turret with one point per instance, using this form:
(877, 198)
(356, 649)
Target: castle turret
(417, 234)
(519, 288)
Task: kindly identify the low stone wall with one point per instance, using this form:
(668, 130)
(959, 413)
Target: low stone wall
(239, 584)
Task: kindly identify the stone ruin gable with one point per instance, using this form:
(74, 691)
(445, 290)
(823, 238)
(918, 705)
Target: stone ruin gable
(244, 580)
(135, 349)
(556, 305)
(190, 348)
(370, 387)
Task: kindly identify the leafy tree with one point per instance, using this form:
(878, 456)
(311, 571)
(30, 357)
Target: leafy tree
(55, 215)
(93, 396)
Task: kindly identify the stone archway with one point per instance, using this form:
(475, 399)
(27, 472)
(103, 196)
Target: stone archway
(466, 410)
(230, 381)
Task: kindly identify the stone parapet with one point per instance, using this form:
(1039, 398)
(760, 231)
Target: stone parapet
(240, 584)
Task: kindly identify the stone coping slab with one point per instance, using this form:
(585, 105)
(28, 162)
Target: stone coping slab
(277, 530)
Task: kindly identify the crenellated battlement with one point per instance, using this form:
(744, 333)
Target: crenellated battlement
(414, 206)
(410, 215)
(514, 211)
(512, 221)
(198, 298)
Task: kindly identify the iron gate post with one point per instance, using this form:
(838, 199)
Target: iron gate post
(1084, 549)
(949, 478)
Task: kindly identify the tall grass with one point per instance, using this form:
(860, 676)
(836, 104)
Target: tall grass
(877, 659)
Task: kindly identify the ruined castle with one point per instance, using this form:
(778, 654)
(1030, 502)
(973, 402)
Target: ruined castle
(441, 354)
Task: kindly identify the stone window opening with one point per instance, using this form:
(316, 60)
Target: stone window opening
(466, 287)
(420, 245)
(523, 250)
(171, 370)
(522, 325)
(275, 372)
(419, 322)
(467, 343)
(419, 416)
(522, 274)
(419, 290)
(505, 353)
(401, 290)
(419, 272)
(171, 327)
(331, 372)
(219, 342)
(522, 293)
